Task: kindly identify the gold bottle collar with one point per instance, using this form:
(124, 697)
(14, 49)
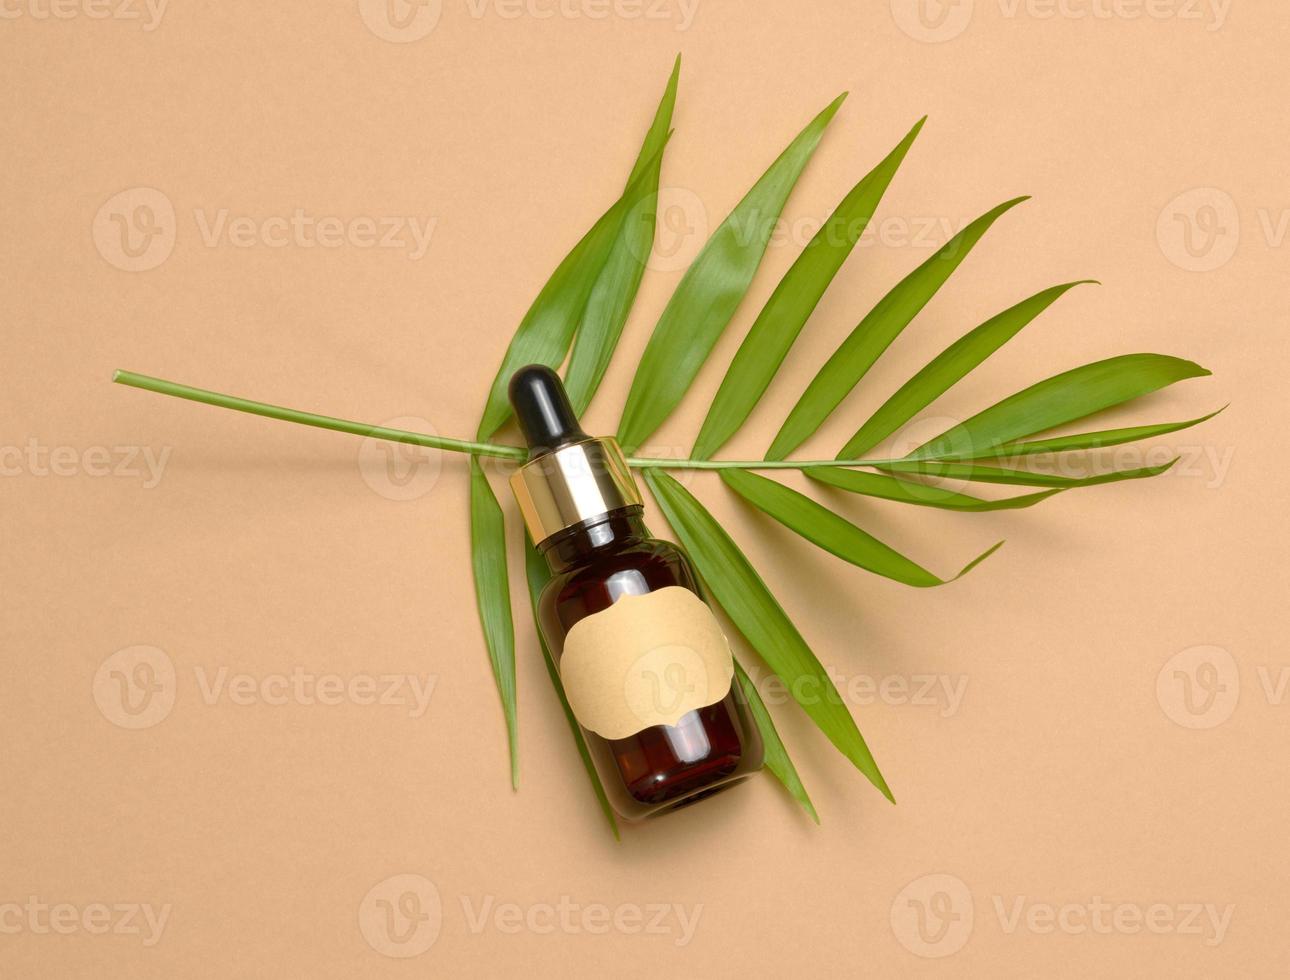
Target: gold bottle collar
(573, 484)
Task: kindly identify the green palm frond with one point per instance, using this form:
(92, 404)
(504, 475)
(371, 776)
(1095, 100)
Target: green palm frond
(576, 321)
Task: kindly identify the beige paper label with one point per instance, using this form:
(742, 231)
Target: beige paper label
(646, 660)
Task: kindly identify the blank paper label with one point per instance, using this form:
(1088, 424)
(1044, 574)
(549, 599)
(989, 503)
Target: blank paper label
(646, 660)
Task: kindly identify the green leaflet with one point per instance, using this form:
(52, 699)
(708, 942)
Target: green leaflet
(948, 368)
(777, 760)
(905, 491)
(544, 335)
(1095, 440)
(834, 533)
(538, 574)
(615, 290)
(493, 595)
(1063, 398)
(795, 298)
(711, 290)
(875, 333)
(1024, 478)
(759, 617)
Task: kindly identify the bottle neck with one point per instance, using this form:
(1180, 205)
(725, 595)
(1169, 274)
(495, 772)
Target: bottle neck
(587, 540)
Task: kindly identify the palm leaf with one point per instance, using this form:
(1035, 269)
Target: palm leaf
(493, 595)
(794, 299)
(1063, 398)
(584, 306)
(834, 533)
(739, 590)
(615, 289)
(711, 290)
(875, 333)
(776, 756)
(949, 367)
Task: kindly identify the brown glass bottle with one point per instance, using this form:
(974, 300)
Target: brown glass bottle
(662, 767)
(585, 513)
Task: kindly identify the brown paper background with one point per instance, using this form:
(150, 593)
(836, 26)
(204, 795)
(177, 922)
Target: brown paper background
(1060, 777)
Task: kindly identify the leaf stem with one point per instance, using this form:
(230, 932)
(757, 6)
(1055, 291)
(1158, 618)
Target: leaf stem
(308, 418)
(651, 463)
(176, 390)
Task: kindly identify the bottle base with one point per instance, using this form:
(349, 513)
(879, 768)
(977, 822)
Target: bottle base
(636, 812)
(698, 795)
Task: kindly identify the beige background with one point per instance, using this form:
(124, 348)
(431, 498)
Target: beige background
(1063, 776)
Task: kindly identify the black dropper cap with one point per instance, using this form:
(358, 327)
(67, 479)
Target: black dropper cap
(543, 411)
